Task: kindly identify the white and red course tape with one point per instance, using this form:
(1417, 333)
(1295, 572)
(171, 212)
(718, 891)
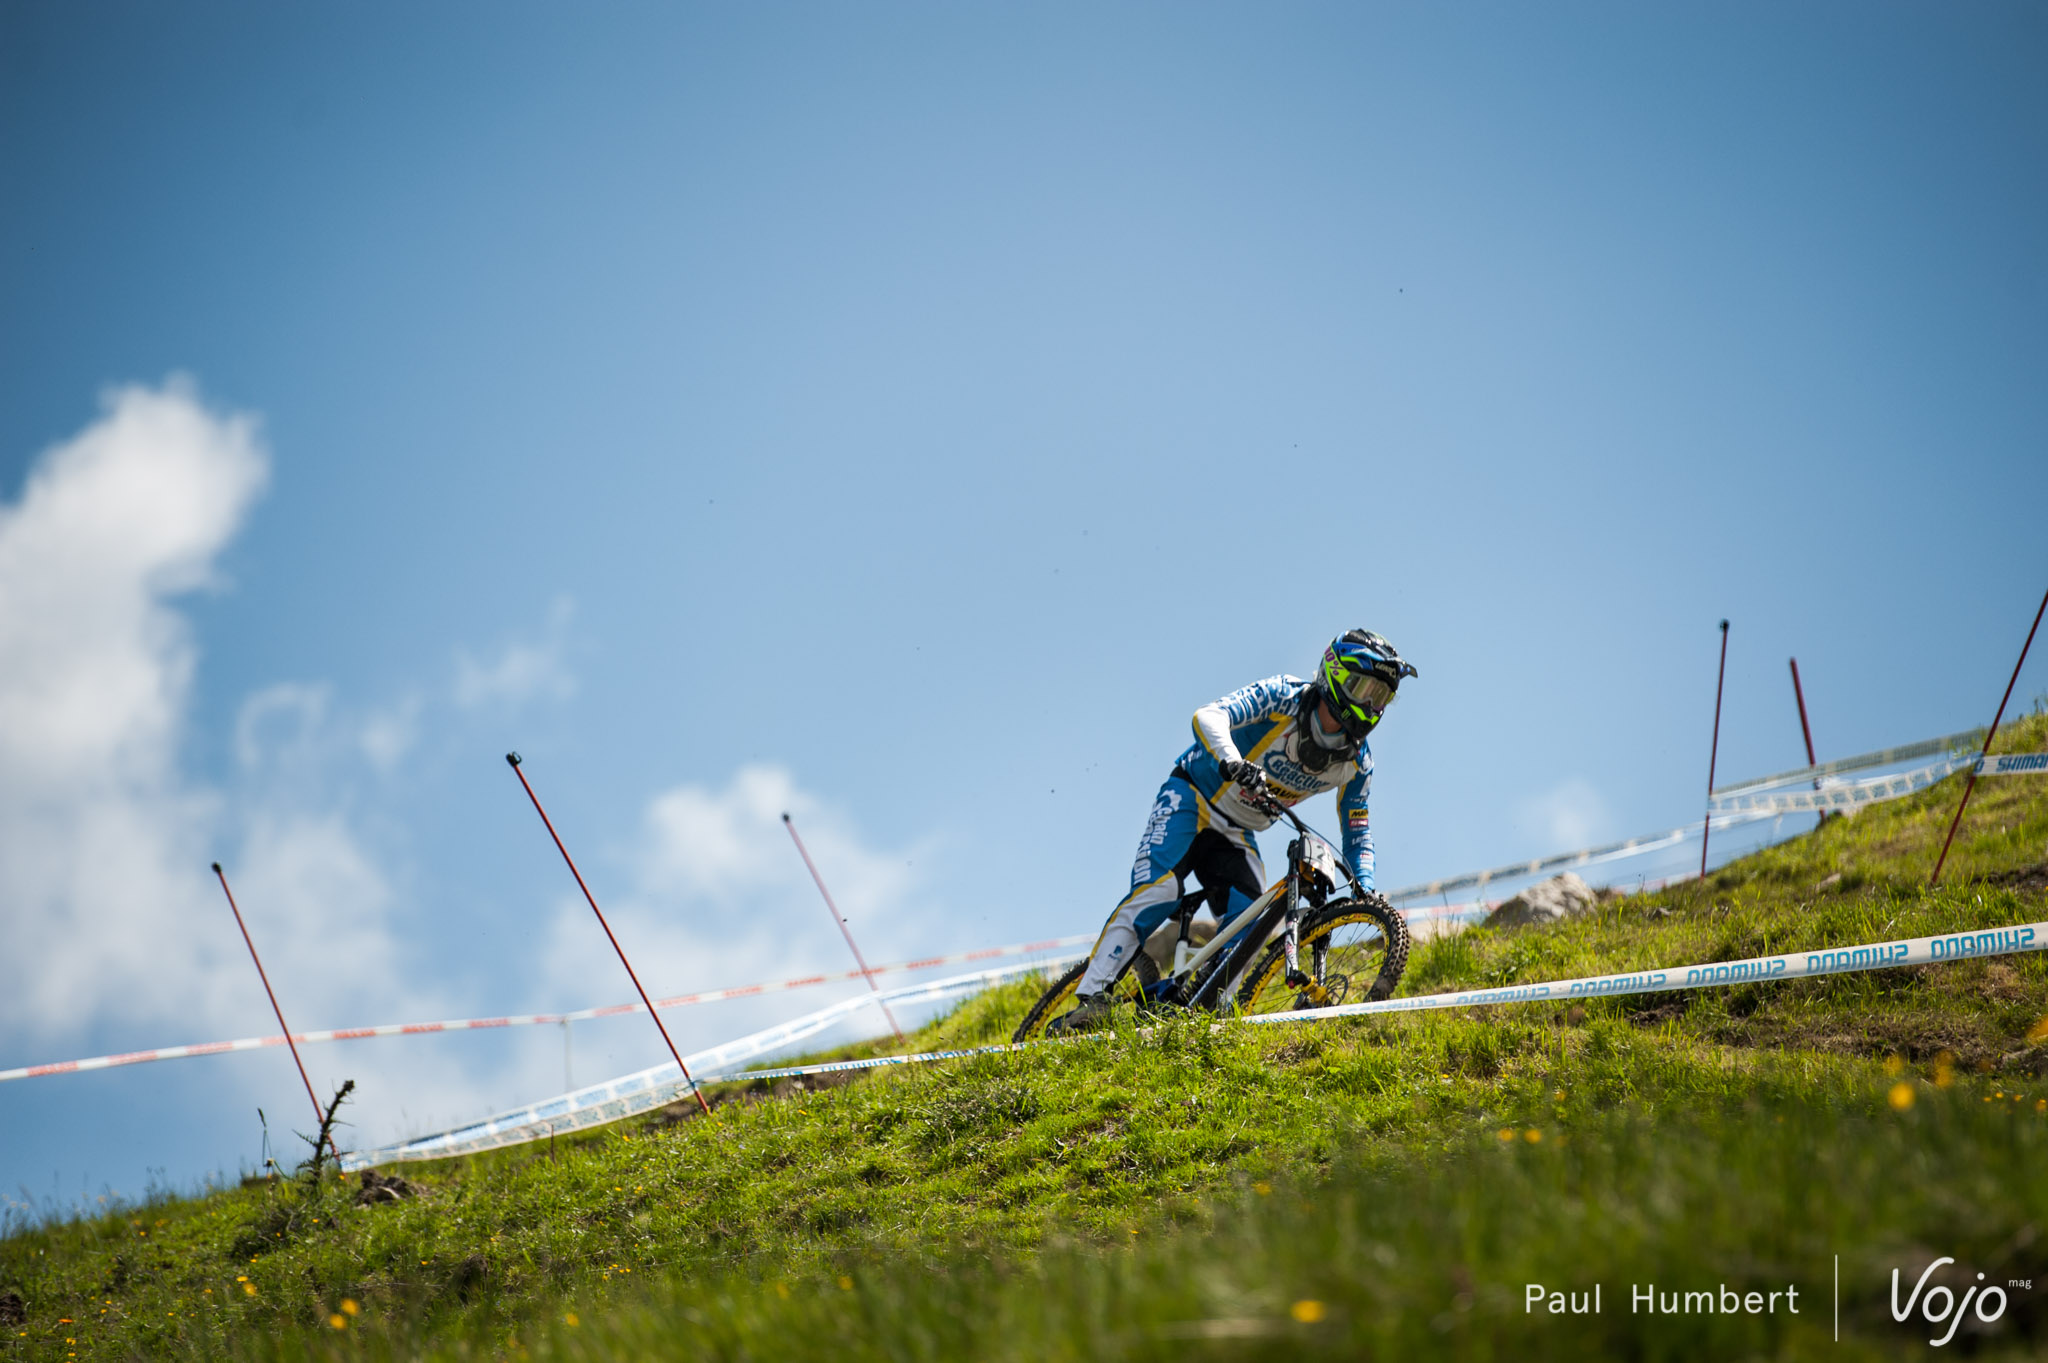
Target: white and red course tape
(1059, 947)
(745, 991)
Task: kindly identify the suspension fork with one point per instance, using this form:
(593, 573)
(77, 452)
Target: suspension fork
(1295, 978)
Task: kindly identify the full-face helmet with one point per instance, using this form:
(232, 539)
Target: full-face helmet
(1359, 676)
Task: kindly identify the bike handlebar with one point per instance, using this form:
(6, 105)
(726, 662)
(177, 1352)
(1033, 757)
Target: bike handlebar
(1266, 804)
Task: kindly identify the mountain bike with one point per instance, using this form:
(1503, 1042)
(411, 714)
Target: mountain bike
(1294, 947)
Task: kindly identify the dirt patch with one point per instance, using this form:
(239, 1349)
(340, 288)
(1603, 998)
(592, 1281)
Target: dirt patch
(816, 1083)
(469, 1275)
(1294, 1052)
(2027, 880)
(1653, 1010)
(2032, 1060)
(1914, 1038)
(759, 1091)
(1981, 979)
(2001, 981)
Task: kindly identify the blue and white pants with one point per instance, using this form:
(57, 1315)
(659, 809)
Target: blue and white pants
(1184, 836)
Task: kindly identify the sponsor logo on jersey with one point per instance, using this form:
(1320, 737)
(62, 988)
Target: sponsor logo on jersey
(1283, 771)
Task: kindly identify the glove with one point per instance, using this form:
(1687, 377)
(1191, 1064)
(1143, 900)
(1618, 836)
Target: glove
(1250, 778)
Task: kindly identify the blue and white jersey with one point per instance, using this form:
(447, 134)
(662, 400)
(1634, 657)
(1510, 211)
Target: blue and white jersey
(1264, 724)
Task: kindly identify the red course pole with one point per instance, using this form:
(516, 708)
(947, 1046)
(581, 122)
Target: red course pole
(1971, 784)
(1714, 756)
(318, 1115)
(513, 759)
(1800, 695)
(844, 931)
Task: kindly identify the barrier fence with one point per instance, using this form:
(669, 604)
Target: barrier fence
(1733, 805)
(662, 1084)
(1971, 739)
(1563, 861)
(645, 1090)
(1835, 794)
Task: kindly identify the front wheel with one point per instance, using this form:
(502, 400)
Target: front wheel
(1352, 949)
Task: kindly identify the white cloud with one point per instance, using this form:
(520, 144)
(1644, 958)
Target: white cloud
(110, 911)
(1566, 817)
(523, 670)
(93, 667)
(103, 848)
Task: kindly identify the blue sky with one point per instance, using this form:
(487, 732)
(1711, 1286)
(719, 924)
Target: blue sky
(907, 415)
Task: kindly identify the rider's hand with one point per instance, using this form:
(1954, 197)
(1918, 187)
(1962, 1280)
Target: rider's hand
(1250, 778)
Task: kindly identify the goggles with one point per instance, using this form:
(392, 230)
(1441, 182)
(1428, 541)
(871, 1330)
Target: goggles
(1368, 692)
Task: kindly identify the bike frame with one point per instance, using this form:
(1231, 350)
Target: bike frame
(1280, 904)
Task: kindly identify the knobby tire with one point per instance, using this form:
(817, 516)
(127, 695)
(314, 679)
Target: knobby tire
(1265, 990)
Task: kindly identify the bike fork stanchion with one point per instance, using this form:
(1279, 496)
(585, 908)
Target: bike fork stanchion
(844, 930)
(512, 758)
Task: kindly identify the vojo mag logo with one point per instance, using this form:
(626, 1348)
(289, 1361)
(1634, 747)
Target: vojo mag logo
(1985, 1301)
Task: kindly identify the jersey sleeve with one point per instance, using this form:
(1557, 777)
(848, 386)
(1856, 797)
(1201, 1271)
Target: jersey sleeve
(1351, 813)
(1246, 705)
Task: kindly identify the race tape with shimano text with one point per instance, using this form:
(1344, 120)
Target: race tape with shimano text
(1945, 948)
(2014, 764)
(1954, 946)
(252, 1043)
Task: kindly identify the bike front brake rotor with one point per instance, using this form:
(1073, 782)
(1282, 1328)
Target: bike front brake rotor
(1328, 994)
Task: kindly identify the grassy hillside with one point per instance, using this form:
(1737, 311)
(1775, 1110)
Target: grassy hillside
(1351, 1187)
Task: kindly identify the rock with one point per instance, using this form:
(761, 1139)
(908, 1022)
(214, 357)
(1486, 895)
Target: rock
(1159, 946)
(1560, 897)
(378, 1188)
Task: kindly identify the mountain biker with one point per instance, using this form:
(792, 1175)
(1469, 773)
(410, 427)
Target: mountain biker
(1280, 740)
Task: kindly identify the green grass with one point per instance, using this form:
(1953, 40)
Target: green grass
(1195, 1190)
